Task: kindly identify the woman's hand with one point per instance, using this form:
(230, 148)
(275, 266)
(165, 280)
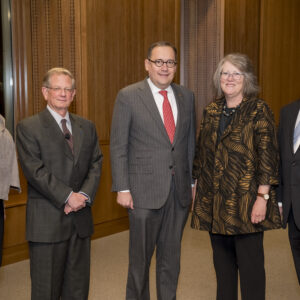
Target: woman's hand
(259, 210)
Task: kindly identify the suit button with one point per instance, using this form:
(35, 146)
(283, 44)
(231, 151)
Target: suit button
(172, 149)
(170, 167)
(293, 163)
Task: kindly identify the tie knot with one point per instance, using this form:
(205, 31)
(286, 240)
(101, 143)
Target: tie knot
(164, 93)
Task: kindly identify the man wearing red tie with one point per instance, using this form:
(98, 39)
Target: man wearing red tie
(152, 150)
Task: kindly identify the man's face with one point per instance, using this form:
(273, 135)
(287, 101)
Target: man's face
(59, 95)
(161, 76)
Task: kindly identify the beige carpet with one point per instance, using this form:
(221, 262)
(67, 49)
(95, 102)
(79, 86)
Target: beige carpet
(197, 280)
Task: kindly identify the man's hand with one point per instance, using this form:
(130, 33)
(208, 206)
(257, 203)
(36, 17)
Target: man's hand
(125, 199)
(67, 209)
(76, 201)
(259, 210)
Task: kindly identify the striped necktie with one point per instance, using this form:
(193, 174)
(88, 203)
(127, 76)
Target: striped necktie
(67, 134)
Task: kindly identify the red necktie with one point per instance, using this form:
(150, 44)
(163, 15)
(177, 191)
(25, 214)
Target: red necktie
(168, 116)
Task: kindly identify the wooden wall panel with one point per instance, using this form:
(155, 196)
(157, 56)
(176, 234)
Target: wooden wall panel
(119, 33)
(279, 52)
(22, 58)
(202, 47)
(268, 31)
(105, 207)
(53, 42)
(242, 28)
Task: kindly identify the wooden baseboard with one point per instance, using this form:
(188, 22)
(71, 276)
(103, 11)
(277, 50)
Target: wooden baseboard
(15, 253)
(110, 227)
(20, 252)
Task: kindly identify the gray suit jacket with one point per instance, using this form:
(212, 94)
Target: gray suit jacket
(53, 172)
(289, 188)
(143, 159)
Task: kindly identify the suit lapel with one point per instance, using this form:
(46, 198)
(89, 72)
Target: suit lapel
(54, 133)
(180, 108)
(146, 97)
(77, 134)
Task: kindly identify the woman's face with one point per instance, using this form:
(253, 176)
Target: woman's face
(232, 81)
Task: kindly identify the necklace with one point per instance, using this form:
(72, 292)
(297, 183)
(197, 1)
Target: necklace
(229, 111)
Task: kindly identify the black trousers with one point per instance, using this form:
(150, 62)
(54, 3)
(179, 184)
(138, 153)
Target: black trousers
(294, 237)
(1, 228)
(60, 270)
(243, 254)
(161, 228)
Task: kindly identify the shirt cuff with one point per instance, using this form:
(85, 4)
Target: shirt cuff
(68, 197)
(86, 195)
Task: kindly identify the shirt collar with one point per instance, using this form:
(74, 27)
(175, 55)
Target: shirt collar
(58, 117)
(155, 89)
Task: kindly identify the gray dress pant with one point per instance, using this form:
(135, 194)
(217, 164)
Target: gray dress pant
(161, 228)
(60, 270)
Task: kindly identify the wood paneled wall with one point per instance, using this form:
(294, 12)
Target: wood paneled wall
(104, 43)
(268, 31)
(280, 52)
(117, 47)
(242, 28)
(202, 46)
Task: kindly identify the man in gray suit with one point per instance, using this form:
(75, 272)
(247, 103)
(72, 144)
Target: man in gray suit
(61, 160)
(152, 150)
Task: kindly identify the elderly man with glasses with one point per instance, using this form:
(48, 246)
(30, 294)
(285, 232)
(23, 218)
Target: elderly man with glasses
(61, 160)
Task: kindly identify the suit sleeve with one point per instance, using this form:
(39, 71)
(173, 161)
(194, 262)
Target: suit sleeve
(92, 179)
(36, 173)
(119, 138)
(192, 138)
(279, 135)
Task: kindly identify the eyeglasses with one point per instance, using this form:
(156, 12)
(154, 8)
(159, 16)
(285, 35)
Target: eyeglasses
(159, 63)
(235, 75)
(59, 90)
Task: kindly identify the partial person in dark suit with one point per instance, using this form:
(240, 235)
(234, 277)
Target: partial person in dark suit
(61, 160)
(289, 188)
(152, 150)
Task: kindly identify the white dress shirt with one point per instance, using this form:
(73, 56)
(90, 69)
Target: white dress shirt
(296, 145)
(58, 118)
(159, 99)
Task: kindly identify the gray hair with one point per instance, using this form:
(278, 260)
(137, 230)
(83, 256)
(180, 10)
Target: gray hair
(59, 71)
(244, 64)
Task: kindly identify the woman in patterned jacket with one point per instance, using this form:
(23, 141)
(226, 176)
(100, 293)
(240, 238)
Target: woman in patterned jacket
(236, 170)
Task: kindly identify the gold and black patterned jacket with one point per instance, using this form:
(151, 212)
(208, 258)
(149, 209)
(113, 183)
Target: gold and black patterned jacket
(228, 174)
